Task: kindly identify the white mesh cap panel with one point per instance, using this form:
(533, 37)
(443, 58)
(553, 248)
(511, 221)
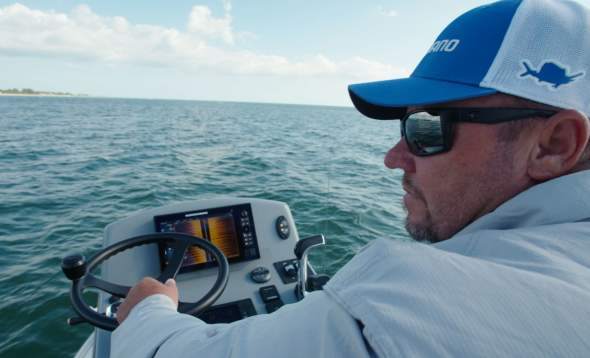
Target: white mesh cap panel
(553, 38)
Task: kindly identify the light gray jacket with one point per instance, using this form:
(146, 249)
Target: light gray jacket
(516, 282)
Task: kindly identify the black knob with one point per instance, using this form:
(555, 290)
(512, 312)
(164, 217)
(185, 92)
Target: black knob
(74, 266)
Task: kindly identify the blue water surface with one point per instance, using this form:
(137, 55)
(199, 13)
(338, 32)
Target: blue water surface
(70, 166)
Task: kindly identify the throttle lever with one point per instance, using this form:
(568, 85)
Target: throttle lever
(301, 251)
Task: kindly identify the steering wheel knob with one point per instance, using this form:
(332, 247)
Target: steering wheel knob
(74, 266)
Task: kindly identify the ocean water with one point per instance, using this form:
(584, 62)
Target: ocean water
(70, 166)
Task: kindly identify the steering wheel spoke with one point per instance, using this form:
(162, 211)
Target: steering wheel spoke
(175, 262)
(112, 288)
(183, 306)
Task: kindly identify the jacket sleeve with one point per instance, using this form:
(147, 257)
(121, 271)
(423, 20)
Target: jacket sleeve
(316, 326)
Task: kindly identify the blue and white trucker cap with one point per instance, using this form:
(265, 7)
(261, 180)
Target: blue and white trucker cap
(535, 49)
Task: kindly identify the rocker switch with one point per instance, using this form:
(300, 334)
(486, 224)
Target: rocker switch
(269, 293)
(271, 298)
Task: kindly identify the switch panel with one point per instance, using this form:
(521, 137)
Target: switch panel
(287, 270)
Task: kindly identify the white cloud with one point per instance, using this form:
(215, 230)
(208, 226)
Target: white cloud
(202, 22)
(227, 6)
(85, 35)
(387, 12)
(245, 36)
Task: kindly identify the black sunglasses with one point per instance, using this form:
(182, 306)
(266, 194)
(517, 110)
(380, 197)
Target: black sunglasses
(430, 131)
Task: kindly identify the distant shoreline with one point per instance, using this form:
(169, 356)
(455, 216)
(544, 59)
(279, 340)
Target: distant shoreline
(31, 92)
(41, 95)
(70, 95)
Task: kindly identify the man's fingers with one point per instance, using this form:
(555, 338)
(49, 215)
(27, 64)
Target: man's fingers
(172, 290)
(146, 287)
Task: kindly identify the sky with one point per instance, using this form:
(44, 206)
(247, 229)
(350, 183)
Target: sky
(276, 51)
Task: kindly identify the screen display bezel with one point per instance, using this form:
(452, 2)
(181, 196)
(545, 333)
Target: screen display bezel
(237, 212)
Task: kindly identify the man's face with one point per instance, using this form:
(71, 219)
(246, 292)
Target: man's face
(446, 192)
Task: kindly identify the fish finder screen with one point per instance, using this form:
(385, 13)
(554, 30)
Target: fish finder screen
(230, 228)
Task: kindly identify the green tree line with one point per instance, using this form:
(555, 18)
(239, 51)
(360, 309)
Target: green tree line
(29, 91)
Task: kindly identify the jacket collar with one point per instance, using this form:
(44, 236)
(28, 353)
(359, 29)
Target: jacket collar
(560, 200)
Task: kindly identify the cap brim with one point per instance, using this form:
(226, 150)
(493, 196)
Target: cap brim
(390, 99)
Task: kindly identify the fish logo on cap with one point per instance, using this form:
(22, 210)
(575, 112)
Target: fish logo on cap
(550, 73)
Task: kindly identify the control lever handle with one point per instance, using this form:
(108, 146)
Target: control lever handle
(301, 251)
(305, 244)
(76, 320)
(73, 321)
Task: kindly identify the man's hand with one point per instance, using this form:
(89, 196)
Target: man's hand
(146, 287)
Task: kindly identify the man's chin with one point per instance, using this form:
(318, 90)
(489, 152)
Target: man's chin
(418, 221)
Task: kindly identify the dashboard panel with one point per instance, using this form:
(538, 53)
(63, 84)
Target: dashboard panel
(260, 281)
(271, 230)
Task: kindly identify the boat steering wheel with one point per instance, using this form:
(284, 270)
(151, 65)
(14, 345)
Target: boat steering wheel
(79, 271)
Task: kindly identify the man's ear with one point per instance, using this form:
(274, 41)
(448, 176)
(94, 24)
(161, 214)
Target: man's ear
(559, 145)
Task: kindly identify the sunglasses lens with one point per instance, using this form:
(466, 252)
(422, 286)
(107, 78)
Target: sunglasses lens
(424, 133)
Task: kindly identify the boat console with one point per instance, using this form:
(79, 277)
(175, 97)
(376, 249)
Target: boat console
(259, 246)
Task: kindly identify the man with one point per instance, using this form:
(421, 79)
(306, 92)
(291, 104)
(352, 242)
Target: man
(495, 157)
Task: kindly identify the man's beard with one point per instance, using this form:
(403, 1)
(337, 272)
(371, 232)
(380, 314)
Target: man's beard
(420, 232)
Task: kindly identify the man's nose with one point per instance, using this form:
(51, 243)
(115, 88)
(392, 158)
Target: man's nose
(399, 157)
